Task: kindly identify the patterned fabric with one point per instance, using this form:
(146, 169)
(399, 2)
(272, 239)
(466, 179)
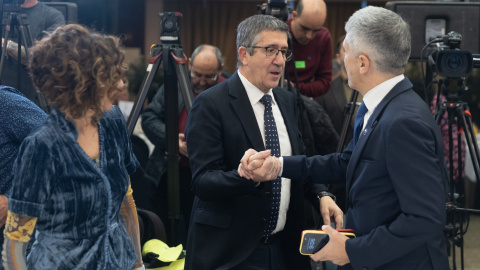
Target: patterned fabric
(272, 142)
(76, 202)
(446, 146)
(362, 110)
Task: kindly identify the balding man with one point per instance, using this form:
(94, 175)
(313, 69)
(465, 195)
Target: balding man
(206, 67)
(312, 48)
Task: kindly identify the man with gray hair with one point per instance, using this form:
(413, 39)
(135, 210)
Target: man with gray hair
(392, 167)
(237, 223)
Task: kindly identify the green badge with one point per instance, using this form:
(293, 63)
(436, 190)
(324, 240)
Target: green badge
(299, 64)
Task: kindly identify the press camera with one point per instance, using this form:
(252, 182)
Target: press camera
(276, 8)
(448, 60)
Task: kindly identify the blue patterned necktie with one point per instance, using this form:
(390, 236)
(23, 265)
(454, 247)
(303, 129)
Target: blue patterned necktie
(362, 110)
(272, 143)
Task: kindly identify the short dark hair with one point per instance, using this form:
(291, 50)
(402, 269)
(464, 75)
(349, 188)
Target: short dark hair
(249, 30)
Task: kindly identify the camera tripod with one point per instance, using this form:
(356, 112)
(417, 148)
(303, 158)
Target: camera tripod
(175, 73)
(459, 114)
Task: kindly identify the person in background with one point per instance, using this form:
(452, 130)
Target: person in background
(235, 223)
(312, 48)
(393, 165)
(18, 116)
(206, 66)
(71, 179)
(42, 19)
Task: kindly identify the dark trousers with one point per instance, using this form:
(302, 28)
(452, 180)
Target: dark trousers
(264, 257)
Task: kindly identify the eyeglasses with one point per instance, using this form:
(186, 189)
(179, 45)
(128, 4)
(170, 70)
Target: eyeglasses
(211, 78)
(272, 51)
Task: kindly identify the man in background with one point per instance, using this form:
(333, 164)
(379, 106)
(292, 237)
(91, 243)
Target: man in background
(312, 48)
(205, 67)
(41, 18)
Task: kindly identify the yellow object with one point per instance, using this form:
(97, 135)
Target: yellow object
(165, 253)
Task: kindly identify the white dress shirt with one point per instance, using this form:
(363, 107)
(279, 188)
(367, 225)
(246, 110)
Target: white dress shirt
(254, 95)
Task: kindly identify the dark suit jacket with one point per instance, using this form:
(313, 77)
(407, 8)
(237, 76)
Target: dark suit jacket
(395, 194)
(229, 212)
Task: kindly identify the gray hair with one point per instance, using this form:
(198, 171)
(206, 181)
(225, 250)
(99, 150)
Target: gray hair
(382, 35)
(249, 30)
(202, 47)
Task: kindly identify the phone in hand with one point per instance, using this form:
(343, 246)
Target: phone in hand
(314, 240)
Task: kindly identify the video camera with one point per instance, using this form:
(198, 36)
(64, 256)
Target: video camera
(276, 8)
(170, 29)
(449, 61)
(11, 5)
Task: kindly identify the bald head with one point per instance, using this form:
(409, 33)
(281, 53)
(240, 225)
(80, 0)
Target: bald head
(205, 66)
(308, 19)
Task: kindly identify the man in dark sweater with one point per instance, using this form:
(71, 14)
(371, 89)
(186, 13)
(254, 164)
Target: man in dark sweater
(312, 48)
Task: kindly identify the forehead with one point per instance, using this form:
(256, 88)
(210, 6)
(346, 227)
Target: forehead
(311, 20)
(273, 38)
(205, 63)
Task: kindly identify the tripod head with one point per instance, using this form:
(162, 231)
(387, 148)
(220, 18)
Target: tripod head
(170, 29)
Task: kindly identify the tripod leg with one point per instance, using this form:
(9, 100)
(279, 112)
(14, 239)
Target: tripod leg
(7, 24)
(180, 62)
(147, 82)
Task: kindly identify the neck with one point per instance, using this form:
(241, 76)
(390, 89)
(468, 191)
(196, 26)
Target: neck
(29, 3)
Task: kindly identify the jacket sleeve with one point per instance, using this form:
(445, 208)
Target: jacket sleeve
(153, 119)
(130, 220)
(18, 231)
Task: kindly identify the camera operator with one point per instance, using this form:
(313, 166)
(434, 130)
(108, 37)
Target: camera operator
(312, 48)
(41, 18)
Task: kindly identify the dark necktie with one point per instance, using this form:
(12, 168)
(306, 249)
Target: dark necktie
(272, 143)
(362, 110)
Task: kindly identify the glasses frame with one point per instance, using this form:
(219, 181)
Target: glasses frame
(284, 52)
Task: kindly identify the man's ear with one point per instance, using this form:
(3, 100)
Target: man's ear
(294, 15)
(190, 63)
(365, 63)
(243, 55)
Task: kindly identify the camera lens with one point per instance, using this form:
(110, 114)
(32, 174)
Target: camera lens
(454, 61)
(168, 24)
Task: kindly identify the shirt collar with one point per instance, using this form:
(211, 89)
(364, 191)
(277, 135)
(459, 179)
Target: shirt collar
(254, 94)
(373, 97)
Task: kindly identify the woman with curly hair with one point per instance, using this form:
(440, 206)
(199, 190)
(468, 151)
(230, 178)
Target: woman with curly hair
(71, 177)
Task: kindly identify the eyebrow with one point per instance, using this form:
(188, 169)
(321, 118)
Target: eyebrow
(307, 28)
(274, 46)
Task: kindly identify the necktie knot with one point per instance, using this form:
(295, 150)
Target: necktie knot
(266, 101)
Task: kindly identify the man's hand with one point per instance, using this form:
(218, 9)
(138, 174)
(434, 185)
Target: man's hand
(328, 208)
(3, 209)
(335, 250)
(259, 166)
(182, 144)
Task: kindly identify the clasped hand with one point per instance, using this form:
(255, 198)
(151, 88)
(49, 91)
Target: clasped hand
(259, 166)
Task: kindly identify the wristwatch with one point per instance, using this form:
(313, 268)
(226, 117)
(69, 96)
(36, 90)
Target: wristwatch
(326, 193)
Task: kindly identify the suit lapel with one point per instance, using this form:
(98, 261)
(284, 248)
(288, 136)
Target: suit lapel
(243, 108)
(283, 98)
(369, 128)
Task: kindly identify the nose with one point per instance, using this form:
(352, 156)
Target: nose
(279, 60)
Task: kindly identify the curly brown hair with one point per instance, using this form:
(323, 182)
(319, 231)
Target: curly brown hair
(75, 68)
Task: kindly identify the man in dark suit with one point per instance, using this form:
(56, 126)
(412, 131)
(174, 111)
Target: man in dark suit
(396, 200)
(229, 227)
